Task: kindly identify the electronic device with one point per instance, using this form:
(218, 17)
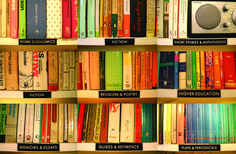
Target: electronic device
(211, 19)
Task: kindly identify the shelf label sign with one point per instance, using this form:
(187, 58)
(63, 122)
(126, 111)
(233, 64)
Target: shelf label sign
(37, 41)
(129, 41)
(199, 42)
(199, 147)
(119, 147)
(37, 94)
(199, 93)
(38, 147)
(119, 94)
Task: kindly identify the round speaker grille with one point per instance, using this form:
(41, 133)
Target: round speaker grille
(234, 16)
(208, 16)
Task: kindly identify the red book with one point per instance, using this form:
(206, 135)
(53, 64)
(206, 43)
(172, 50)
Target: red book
(209, 70)
(66, 18)
(48, 123)
(154, 69)
(104, 123)
(109, 18)
(79, 71)
(229, 70)
(147, 66)
(138, 70)
(80, 122)
(222, 75)
(74, 18)
(43, 137)
(138, 123)
(216, 64)
(126, 19)
(150, 77)
(143, 70)
(14, 18)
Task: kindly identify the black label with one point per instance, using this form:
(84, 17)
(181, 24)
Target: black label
(119, 147)
(199, 93)
(37, 94)
(37, 42)
(199, 41)
(119, 94)
(38, 147)
(119, 41)
(199, 147)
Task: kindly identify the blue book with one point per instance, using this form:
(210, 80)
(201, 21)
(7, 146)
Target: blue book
(176, 70)
(36, 19)
(166, 73)
(189, 122)
(201, 115)
(207, 124)
(194, 123)
(198, 137)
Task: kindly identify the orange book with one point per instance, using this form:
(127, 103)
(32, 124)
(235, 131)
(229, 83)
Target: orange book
(12, 76)
(8, 18)
(143, 70)
(138, 70)
(109, 17)
(133, 70)
(120, 18)
(85, 70)
(147, 66)
(150, 65)
(202, 65)
(105, 18)
(94, 70)
(216, 70)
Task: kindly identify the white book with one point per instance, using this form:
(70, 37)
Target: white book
(61, 123)
(165, 125)
(171, 7)
(114, 123)
(2, 71)
(66, 63)
(43, 70)
(26, 70)
(37, 114)
(4, 18)
(72, 71)
(160, 18)
(183, 18)
(75, 122)
(126, 7)
(65, 122)
(29, 123)
(97, 17)
(173, 124)
(127, 70)
(61, 71)
(175, 18)
(36, 77)
(127, 123)
(182, 75)
(21, 124)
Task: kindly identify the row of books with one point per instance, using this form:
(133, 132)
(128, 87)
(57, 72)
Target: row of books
(161, 123)
(117, 18)
(38, 123)
(197, 70)
(117, 70)
(38, 70)
(38, 19)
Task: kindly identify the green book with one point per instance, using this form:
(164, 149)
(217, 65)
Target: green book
(225, 124)
(234, 121)
(97, 19)
(194, 82)
(3, 109)
(82, 19)
(91, 18)
(11, 123)
(78, 18)
(113, 70)
(231, 123)
(146, 124)
(158, 67)
(154, 122)
(22, 19)
(114, 17)
(189, 70)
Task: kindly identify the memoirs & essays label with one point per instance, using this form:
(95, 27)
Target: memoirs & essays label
(38, 147)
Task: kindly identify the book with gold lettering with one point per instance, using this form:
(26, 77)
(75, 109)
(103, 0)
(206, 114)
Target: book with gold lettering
(120, 18)
(66, 18)
(151, 18)
(72, 71)
(66, 70)
(60, 70)
(2, 71)
(52, 71)
(97, 128)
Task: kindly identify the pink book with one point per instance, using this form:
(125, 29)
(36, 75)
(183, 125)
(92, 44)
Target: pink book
(14, 18)
(74, 18)
(180, 123)
(66, 18)
(94, 70)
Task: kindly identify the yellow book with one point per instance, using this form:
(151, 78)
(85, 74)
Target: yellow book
(168, 123)
(101, 18)
(97, 127)
(127, 70)
(60, 123)
(198, 70)
(151, 20)
(71, 123)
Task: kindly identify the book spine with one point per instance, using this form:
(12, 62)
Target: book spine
(176, 71)
(66, 72)
(138, 123)
(155, 71)
(151, 69)
(147, 66)
(94, 70)
(229, 70)
(138, 70)
(165, 124)
(11, 124)
(133, 70)
(21, 124)
(194, 123)
(222, 70)
(85, 123)
(80, 122)
(203, 75)
(2, 70)
(14, 18)
(72, 70)
(173, 124)
(43, 70)
(154, 122)
(114, 17)
(54, 124)
(37, 119)
(82, 18)
(85, 70)
(97, 130)
(151, 18)
(4, 18)
(182, 70)
(22, 19)
(169, 123)
(147, 127)
(126, 19)
(127, 70)
(216, 71)
(97, 19)
(160, 21)
(209, 70)
(161, 114)
(66, 18)
(166, 19)
(158, 120)
(48, 127)
(52, 71)
(175, 18)
(101, 19)
(114, 123)
(43, 126)
(3, 109)
(189, 137)
(120, 18)
(25, 70)
(74, 19)
(194, 82)
(105, 18)
(102, 69)
(79, 71)
(78, 19)
(91, 18)
(104, 123)
(65, 136)
(36, 77)
(60, 70)
(183, 15)
(198, 71)
(109, 18)
(29, 123)
(180, 123)
(60, 122)
(76, 110)
(189, 70)
(91, 123)
(143, 70)
(8, 18)
(170, 24)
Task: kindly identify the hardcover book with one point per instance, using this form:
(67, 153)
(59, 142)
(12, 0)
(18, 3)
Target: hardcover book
(147, 132)
(97, 128)
(66, 18)
(138, 123)
(104, 123)
(114, 18)
(229, 70)
(91, 123)
(94, 70)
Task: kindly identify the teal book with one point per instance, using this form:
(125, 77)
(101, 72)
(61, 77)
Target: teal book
(3, 110)
(114, 18)
(225, 124)
(113, 70)
(82, 19)
(189, 70)
(22, 19)
(154, 122)
(219, 123)
(194, 81)
(231, 123)
(91, 18)
(146, 123)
